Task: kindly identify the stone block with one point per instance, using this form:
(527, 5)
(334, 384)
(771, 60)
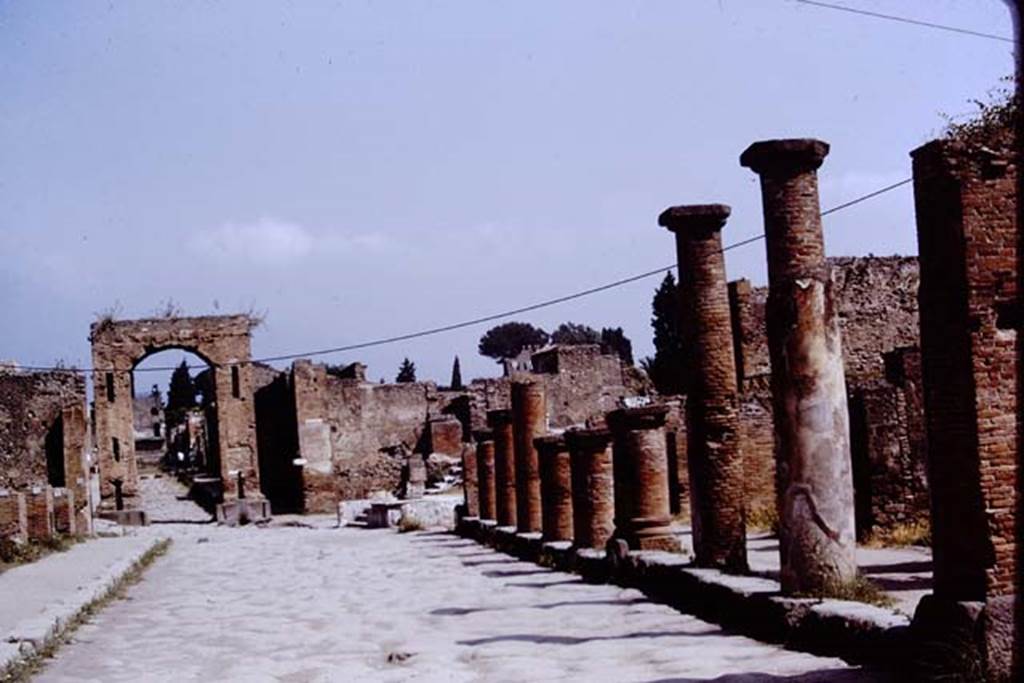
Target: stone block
(130, 517)
(242, 511)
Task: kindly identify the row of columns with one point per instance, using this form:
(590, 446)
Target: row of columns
(596, 484)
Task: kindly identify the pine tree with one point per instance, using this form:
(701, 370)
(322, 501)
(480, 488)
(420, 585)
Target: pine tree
(614, 340)
(456, 376)
(406, 372)
(666, 368)
(181, 395)
(572, 334)
(509, 339)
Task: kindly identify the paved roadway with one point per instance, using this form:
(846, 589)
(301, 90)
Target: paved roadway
(297, 604)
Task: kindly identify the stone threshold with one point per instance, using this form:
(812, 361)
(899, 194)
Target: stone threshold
(749, 605)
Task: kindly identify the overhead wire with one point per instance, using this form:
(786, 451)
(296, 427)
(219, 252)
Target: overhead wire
(482, 319)
(904, 20)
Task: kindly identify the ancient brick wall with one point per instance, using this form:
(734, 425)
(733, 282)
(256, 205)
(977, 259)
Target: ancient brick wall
(353, 435)
(878, 312)
(889, 447)
(966, 209)
(580, 384)
(39, 512)
(13, 516)
(37, 448)
(757, 443)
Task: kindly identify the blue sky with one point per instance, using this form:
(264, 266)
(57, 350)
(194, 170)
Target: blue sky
(363, 169)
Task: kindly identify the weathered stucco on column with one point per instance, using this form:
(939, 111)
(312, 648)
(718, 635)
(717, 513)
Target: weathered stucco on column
(712, 406)
(815, 482)
(640, 442)
(529, 421)
(500, 422)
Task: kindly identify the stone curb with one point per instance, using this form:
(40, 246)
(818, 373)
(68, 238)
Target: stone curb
(752, 605)
(31, 636)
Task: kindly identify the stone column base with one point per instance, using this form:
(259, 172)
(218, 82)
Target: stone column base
(243, 511)
(965, 640)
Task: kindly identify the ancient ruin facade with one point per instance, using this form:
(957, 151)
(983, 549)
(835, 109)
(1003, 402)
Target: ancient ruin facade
(44, 435)
(876, 299)
(327, 434)
(224, 343)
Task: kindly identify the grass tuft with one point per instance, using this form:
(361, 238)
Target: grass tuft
(901, 535)
(763, 518)
(409, 523)
(858, 589)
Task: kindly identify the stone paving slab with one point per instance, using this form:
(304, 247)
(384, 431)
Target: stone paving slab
(316, 603)
(37, 600)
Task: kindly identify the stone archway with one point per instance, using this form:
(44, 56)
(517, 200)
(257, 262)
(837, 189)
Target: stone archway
(224, 343)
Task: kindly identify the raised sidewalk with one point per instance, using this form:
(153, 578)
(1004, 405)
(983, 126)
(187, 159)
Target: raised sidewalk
(39, 600)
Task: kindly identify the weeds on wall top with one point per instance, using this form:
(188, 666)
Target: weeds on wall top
(994, 120)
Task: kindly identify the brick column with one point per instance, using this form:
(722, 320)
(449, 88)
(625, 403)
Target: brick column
(529, 421)
(593, 504)
(470, 481)
(967, 240)
(712, 406)
(644, 522)
(500, 422)
(13, 516)
(39, 508)
(813, 470)
(485, 471)
(555, 487)
(64, 518)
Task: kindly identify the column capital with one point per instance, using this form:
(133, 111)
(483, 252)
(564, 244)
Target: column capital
(644, 417)
(588, 438)
(481, 435)
(500, 417)
(700, 219)
(797, 155)
(550, 443)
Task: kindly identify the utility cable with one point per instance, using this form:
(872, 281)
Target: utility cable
(904, 20)
(487, 318)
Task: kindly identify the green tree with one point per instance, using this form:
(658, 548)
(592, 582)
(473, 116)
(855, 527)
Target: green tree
(509, 339)
(614, 340)
(573, 334)
(406, 372)
(456, 384)
(181, 395)
(666, 368)
(182, 391)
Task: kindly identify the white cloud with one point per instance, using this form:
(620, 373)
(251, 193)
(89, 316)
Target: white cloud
(273, 242)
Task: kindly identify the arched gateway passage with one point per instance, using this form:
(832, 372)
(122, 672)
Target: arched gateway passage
(224, 343)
